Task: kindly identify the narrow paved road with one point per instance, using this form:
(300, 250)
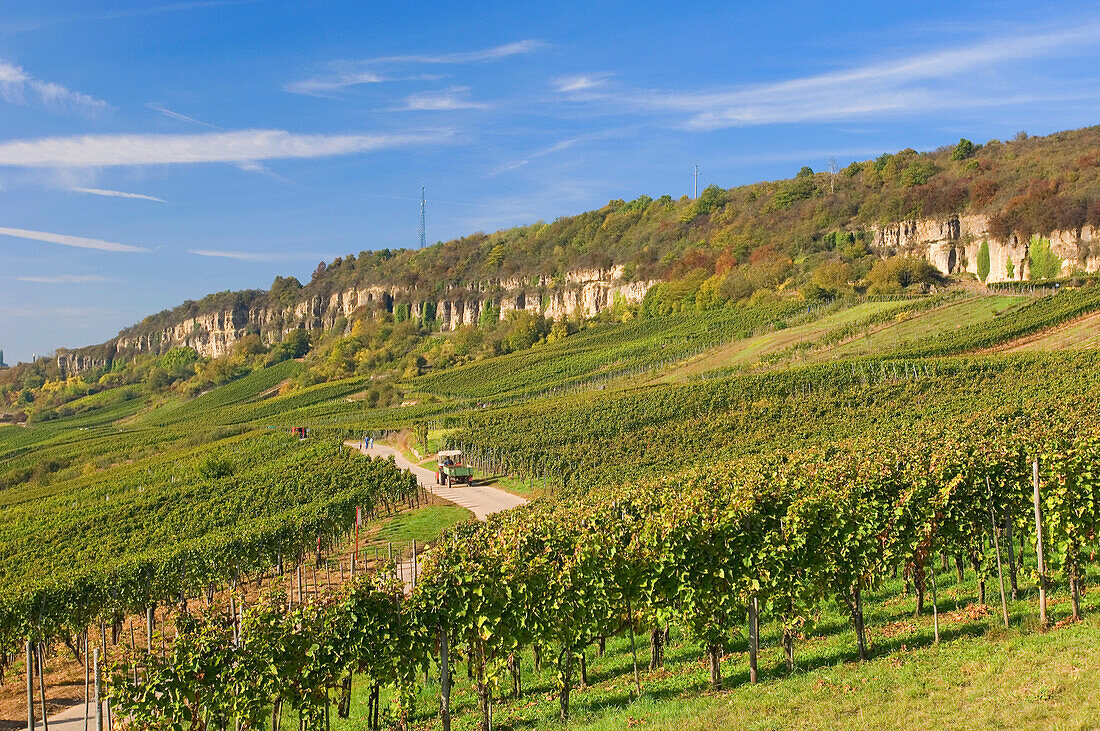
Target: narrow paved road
(481, 500)
(71, 719)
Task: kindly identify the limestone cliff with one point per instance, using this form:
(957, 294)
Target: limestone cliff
(580, 293)
(953, 244)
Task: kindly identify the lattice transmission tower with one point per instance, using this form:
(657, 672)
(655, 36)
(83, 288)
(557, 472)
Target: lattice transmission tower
(422, 230)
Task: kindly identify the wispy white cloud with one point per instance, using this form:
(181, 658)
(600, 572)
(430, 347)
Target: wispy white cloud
(43, 314)
(118, 194)
(251, 255)
(66, 240)
(16, 85)
(176, 115)
(344, 74)
(335, 81)
(33, 24)
(582, 82)
(67, 279)
(446, 100)
(941, 79)
(487, 54)
(557, 147)
(506, 168)
(230, 147)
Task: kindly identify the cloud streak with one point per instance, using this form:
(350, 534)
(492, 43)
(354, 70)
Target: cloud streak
(45, 22)
(447, 100)
(487, 54)
(66, 240)
(251, 255)
(344, 74)
(67, 279)
(924, 82)
(336, 81)
(16, 85)
(177, 116)
(229, 147)
(118, 194)
(582, 82)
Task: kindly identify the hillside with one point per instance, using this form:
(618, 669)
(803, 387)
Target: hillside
(1013, 211)
(822, 435)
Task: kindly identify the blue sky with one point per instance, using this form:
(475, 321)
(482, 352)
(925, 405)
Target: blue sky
(155, 151)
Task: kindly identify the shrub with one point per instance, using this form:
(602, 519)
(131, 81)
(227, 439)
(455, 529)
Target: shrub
(214, 468)
(898, 272)
(1044, 263)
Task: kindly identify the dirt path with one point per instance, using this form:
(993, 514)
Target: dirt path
(481, 500)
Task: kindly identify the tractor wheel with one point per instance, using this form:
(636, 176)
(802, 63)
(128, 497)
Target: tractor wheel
(450, 481)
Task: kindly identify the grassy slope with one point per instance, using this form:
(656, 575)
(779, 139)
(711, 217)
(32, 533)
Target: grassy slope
(953, 316)
(751, 350)
(1083, 332)
(426, 524)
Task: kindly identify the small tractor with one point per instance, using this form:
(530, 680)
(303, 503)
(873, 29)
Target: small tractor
(451, 469)
(300, 431)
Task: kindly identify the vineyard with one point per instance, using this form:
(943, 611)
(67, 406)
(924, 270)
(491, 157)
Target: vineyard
(709, 551)
(610, 349)
(161, 529)
(685, 528)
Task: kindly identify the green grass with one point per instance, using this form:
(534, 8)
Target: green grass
(926, 324)
(980, 676)
(751, 350)
(1080, 333)
(423, 525)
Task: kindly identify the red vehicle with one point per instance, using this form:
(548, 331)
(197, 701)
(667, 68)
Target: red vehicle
(300, 431)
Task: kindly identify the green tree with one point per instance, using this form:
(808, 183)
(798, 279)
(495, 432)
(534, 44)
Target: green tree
(899, 272)
(919, 172)
(496, 256)
(983, 261)
(963, 150)
(793, 191)
(1045, 264)
(833, 276)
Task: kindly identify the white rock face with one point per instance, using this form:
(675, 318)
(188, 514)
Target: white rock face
(952, 245)
(583, 293)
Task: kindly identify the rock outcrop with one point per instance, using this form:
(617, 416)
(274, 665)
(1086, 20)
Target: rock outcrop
(953, 244)
(580, 293)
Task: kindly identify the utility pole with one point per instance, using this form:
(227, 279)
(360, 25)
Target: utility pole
(832, 173)
(696, 176)
(422, 230)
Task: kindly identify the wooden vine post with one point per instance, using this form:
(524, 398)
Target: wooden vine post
(444, 681)
(149, 619)
(1000, 572)
(935, 606)
(1011, 555)
(30, 687)
(86, 680)
(754, 637)
(98, 702)
(1039, 545)
(42, 685)
(633, 651)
